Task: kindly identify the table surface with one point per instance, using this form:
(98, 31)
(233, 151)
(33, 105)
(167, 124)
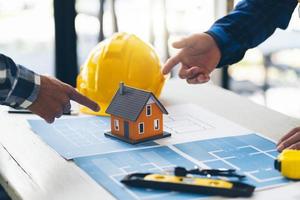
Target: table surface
(31, 170)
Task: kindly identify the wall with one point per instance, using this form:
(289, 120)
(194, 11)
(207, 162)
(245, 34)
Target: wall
(148, 127)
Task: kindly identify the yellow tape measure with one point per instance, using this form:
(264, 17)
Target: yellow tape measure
(288, 163)
(207, 182)
(193, 184)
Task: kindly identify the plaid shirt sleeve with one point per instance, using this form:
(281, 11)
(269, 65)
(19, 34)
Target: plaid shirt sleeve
(19, 86)
(248, 25)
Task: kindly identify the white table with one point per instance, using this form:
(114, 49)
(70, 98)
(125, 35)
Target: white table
(32, 170)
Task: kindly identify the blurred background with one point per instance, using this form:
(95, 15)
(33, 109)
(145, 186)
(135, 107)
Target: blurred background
(54, 37)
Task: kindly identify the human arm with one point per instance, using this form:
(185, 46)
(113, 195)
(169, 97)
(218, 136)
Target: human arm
(44, 96)
(249, 24)
(19, 86)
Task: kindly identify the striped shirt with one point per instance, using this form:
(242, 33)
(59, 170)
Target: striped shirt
(19, 86)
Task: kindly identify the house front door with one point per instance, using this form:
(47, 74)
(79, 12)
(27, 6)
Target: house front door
(126, 129)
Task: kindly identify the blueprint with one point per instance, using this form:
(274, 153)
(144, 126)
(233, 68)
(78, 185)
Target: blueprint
(249, 154)
(108, 169)
(83, 136)
(188, 122)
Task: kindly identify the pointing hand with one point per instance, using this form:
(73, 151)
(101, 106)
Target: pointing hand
(199, 56)
(54, 99)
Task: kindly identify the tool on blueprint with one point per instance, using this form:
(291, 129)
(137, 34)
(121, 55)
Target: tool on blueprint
(26, 111)
(184, 181)
(181, 171)
(288, 163)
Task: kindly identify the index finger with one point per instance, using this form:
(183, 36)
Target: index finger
(170, 64)
(83, 100)
(290, 141)
(289, 134)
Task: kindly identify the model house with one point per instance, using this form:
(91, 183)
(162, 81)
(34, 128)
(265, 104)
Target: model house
(136, 116)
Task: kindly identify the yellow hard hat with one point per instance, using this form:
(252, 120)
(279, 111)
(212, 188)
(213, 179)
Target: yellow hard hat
(122, 58)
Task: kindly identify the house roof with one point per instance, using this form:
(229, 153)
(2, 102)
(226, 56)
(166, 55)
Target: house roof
(129, 102)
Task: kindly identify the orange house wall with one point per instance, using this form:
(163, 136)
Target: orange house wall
(133, 126)
(120, 132)
(148, 124)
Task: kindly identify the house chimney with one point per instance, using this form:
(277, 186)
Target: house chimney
(122, 88)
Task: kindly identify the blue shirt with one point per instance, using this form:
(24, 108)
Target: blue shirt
(19, 87)
(248, 25)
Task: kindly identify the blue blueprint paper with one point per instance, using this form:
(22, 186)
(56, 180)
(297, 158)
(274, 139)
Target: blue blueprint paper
(77, 137)
(109, 169)
(251, 154)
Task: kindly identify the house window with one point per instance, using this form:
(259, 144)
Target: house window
(148, 110)
(156, 124)
(141, 128)
(116, 124)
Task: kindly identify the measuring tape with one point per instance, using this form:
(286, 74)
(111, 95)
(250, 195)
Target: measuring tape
(196, 180)
(288, 163)
(200, 185)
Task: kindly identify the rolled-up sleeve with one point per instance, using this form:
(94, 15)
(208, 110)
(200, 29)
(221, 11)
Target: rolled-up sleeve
(19, 87)
(248, 25)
